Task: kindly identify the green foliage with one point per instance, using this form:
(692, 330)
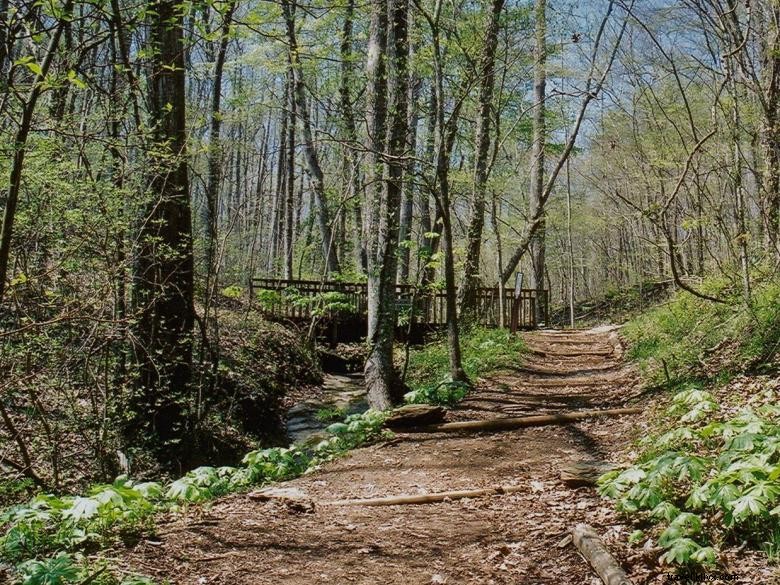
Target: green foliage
(444, 393)
(356, 430)
(232, 292)
(330, 414)
(55, 526)
(705, 480)
(673, 339)
(484, 350)
(52, 571)
(268, 298)
(321, 304)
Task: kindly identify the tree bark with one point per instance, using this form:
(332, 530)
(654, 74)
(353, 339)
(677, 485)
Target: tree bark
(351, 157)
(312, 157)
(382, 382)
(213, 183)
(537, 246)
(511, 423)
(592, 548)
(163, 272)
(470, 282)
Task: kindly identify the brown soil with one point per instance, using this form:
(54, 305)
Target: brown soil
(503, 539)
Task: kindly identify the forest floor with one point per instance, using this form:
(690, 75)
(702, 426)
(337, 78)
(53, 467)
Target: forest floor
(513, 538)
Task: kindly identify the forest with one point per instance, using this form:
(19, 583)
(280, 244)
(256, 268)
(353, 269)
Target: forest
(393, 291)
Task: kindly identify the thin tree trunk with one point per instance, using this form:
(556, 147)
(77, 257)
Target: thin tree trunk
(289, 201)
(470, 282)
(213, 183)
(312, 158)
(537, 244)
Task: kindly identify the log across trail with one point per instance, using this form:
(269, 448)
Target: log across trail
(508, 423)
(436, 507)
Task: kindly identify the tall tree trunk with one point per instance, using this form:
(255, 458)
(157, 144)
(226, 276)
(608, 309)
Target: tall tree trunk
(163, 272)
(289, 201)
(407, 200)
(312, 158)
(351, 156)
(214, 180)
(470, 282)
(382, 383)
(537, 244)
(770, 129)
(445, 138)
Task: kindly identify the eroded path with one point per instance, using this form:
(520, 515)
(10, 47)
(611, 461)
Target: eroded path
(495, 540)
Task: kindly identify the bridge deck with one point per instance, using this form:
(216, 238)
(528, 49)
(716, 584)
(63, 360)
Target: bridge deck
(300, 300)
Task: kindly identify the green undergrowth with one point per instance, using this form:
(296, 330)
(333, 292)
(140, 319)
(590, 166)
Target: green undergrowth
(674, 343)
(706, 481)
(47, 539)
(483, 351)
(709, 476)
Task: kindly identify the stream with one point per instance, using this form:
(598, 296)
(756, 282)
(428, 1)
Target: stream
(345, 393)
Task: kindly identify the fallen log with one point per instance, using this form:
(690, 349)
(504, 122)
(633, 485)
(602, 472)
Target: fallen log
(585, 473)
(411, 415)
(428, 498)
(509, 423)
(592, 548)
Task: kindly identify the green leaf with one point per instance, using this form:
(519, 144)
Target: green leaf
(681, 551)
(34, 67)
(82, 509)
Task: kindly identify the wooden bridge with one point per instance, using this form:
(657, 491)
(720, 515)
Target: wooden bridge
(343, 306)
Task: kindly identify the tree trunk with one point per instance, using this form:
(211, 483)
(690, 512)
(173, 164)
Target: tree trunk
(470, 282)
(537, 244)
(213, 183)
(163, 272)
(289, 200)
(351, 157)
(382, 383)
(770, 131)
(312, 157)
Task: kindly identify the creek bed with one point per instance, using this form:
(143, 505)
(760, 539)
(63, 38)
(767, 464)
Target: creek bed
(345, 393)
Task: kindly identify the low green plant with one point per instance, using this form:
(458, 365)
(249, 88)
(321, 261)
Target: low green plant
(704, 480)
(444, 393)
(330, 414)
(232, 292)
(267, 299)
(484, 350)
(322, 303)
(670, 341)
(356, 430)
(41, 535)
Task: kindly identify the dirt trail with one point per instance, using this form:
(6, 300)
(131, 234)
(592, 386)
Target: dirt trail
(495, 540)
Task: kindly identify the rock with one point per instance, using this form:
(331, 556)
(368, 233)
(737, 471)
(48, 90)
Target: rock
(292, 498)
(412, 415)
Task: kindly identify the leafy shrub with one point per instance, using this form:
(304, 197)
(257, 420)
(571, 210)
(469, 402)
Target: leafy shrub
(444, 393)
(330, 414)
(705, 480)
(268, 298)
(232, 292)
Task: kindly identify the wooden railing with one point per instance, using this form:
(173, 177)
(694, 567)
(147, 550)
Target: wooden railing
(523, 309)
